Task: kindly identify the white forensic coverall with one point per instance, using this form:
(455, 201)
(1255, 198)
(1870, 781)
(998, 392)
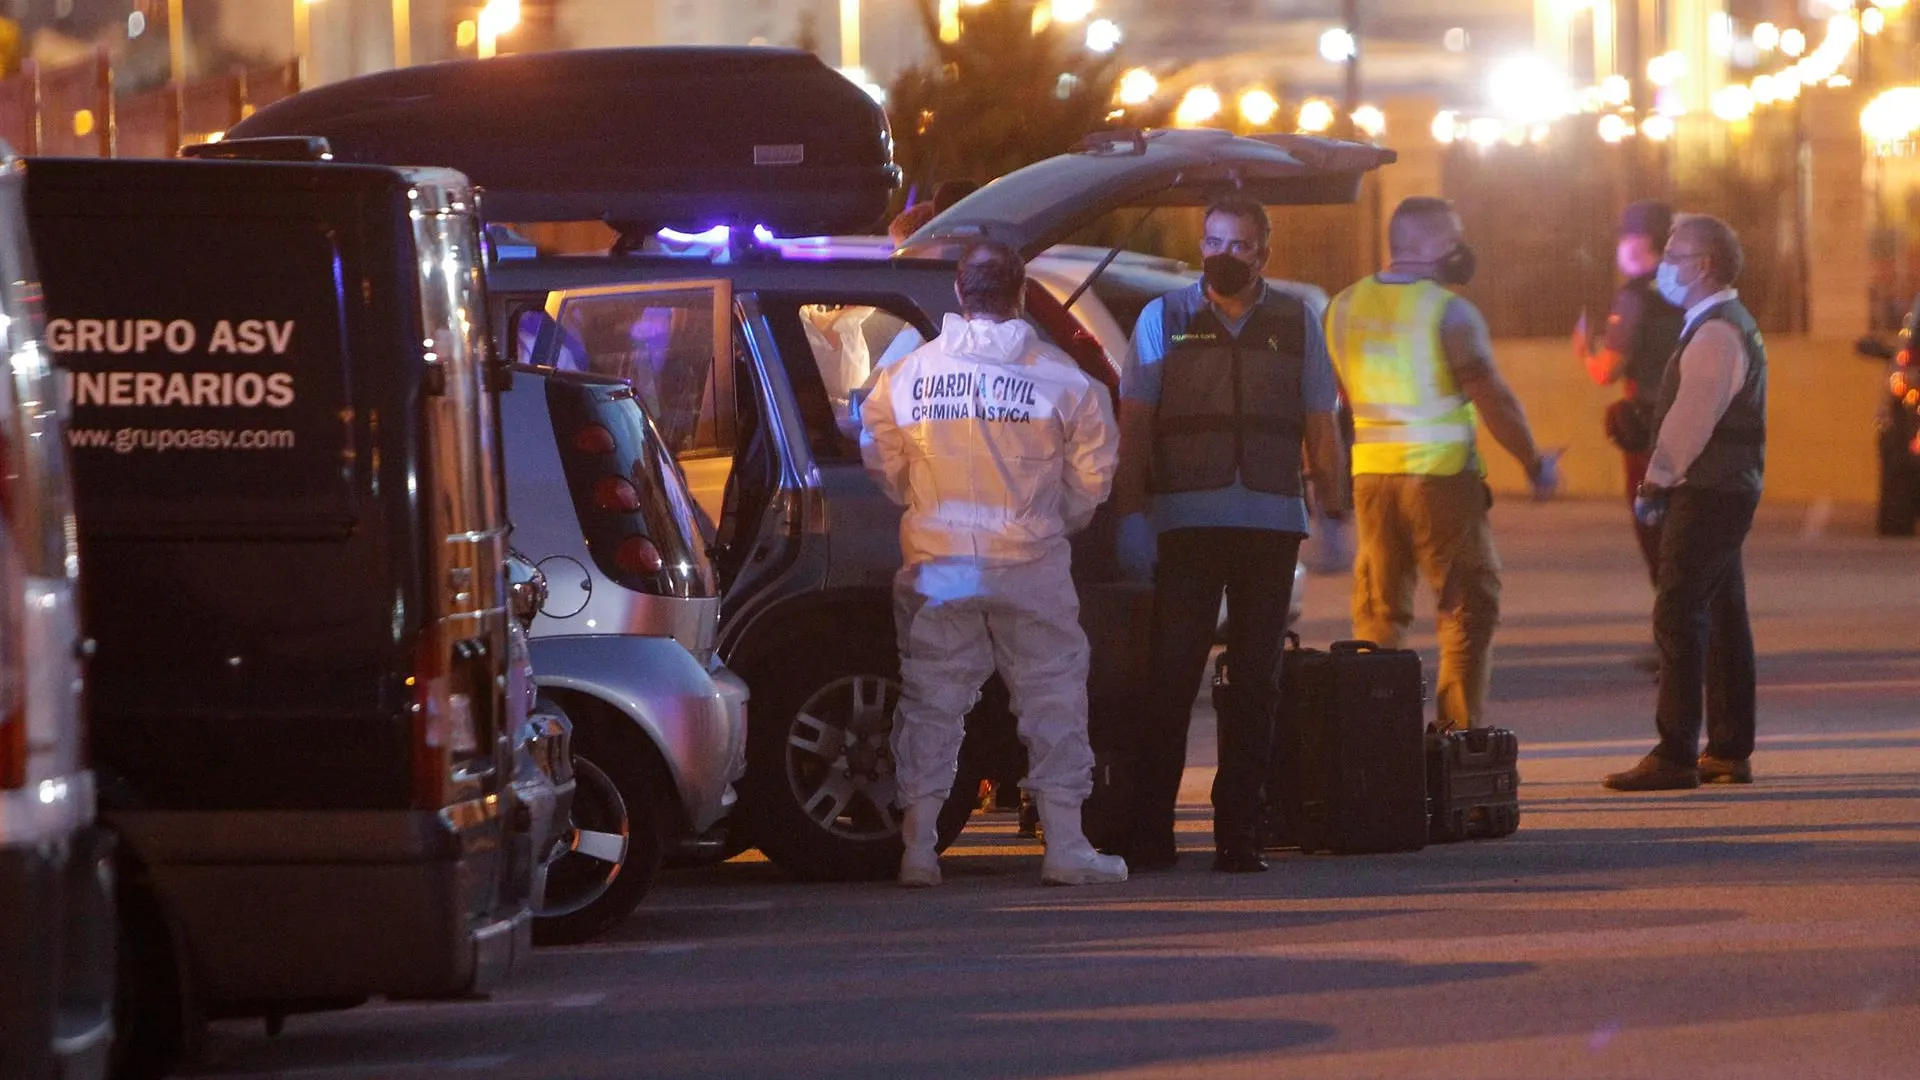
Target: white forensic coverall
(999, 448)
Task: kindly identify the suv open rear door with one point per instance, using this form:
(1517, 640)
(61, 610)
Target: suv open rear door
(1045, 203)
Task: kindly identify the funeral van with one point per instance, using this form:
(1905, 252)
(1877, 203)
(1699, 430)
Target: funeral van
(287, 482)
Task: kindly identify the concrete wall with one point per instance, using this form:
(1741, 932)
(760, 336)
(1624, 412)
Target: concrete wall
(1820, 409)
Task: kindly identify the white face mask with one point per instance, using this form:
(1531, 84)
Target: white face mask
(1667, 280)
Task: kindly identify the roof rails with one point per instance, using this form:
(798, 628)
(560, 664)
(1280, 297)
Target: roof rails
(262, 148)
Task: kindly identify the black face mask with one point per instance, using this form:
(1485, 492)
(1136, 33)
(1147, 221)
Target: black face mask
(1455, 267)
(1226, 275)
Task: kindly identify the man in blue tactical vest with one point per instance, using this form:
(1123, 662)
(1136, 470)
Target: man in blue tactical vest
(1702, 486)
(1229, 379)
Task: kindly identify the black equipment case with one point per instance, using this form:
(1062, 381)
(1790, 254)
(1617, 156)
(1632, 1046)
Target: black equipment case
(1473, 783)
(1118, 619)
(1349, 750)
(642, 137)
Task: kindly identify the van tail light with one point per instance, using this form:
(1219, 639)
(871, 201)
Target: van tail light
(13, 748)
(444, 727)
(432, 750)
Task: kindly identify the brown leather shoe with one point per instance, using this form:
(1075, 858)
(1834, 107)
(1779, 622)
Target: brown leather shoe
(1714, 770)
(1654, 773)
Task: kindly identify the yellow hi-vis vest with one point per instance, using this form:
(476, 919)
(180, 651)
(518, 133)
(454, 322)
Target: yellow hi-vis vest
(1409, 417)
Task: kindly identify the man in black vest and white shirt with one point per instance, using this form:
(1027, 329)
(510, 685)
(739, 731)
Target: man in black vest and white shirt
(1703, 484)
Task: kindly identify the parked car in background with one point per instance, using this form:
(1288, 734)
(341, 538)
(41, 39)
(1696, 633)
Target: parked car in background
(56, 879)
(1898, 425)
(624, 638)
(745, 364)
(288, 488)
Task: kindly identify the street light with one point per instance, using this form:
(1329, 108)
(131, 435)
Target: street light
(1137, 87)
(1103, 35)
(498, 17)
(1201, 104)
(1258, 107)
(1316, 116)
(1337, 45)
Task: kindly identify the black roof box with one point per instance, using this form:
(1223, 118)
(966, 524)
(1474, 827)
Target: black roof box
(681, 137)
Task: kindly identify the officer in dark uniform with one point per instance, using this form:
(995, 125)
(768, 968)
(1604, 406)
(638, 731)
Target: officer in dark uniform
(1229, 378)
(1642, 331)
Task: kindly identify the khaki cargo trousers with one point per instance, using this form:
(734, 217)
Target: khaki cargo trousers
(1434, 527)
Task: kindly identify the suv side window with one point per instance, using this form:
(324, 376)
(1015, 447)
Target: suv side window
(832, 346)
(662, 343)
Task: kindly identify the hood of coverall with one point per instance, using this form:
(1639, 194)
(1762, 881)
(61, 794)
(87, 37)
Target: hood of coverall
(985, 341)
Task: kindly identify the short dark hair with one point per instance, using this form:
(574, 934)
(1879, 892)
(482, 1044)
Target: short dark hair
(1722, 245)
(1246, 208)
(948, 192)
(1650, 218)
(990, 279)
(1413, 218)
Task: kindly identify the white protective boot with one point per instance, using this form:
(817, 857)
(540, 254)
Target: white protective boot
(1070, 858)
(920, 831)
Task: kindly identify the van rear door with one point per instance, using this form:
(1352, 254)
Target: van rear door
(287, 482)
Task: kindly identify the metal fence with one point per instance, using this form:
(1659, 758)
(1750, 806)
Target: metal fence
(75, 111)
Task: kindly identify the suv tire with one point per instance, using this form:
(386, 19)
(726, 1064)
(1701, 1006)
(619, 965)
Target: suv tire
(817, 802)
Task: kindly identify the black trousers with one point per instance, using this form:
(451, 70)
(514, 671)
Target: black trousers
(1700, 626)
(1254, 568)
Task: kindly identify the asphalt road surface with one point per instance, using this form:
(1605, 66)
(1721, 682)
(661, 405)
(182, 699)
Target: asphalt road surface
(1757, 932)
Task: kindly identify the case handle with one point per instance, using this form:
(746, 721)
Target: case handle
(1355, 646)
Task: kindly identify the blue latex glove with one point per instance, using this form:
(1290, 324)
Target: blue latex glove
(1650, 509)
(1330, 549)
(1138, 547)
(1546, 481)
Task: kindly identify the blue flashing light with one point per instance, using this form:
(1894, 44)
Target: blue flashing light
(719, 234)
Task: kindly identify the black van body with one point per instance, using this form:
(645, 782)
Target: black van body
(287, 472)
